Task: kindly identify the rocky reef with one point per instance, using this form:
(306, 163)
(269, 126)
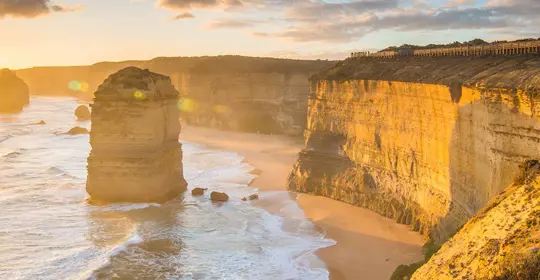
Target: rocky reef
(501, 242)
(228, 92)
(425, 141)
(14, 93)
(135, 156)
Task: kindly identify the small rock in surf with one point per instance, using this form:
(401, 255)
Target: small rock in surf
(219, 196)
(198, 191)
(77, 130)
(83, 113)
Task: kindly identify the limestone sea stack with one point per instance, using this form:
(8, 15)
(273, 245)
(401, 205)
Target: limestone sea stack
(14, 93)
(136, 155)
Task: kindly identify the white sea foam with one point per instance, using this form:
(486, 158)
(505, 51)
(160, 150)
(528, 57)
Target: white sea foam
(49, 232)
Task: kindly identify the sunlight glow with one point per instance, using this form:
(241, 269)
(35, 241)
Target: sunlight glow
(187, 105)
(139, 95)
(78, 86)
(222, 109)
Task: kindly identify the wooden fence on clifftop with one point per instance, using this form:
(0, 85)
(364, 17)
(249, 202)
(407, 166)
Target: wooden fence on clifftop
(502, 49)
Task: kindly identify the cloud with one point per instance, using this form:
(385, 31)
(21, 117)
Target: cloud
(30, 8)
(194, 4)
(232, 23)
(184, 15)
(350, 20)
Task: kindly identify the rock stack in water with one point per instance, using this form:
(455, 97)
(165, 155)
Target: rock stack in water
(136, 156)
(14, 93)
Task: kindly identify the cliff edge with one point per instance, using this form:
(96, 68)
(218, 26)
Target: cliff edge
(14, 93)
(426, 141)
(490, 71)
(501, 242)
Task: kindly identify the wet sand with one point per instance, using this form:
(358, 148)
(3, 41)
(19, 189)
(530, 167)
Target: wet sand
(368, 246)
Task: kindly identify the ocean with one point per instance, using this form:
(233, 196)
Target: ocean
(49, 231)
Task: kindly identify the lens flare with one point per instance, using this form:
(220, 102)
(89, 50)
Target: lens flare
(222, 109)
(74, 85)
(187, 105)
(78, 86)
(139, 95)
(84, 86)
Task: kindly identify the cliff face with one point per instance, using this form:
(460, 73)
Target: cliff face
(429, 154)
(135, 156)
(501, 242)
(228, 92)
(253, 102)
(14, 93)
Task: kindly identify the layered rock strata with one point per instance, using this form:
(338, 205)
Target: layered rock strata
(501, 242)
(135, 156)
(250, 94)
(429, 153)
(14, 93)
(228, 92)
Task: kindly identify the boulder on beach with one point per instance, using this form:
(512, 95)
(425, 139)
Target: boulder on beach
(219, 196)
(198, 191)
(14, 92)
(83, 113)
(78, 130)
(42, 122)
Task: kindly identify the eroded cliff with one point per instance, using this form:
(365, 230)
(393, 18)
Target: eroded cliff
(135, 156)
(501, 242)
(228, 92)
(247, 94)
(14, 93)
(425, 141)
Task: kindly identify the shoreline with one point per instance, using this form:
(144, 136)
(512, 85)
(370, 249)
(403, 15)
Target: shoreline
(367, 245)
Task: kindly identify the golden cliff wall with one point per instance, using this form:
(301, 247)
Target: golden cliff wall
(253, 102)
(423, 154)
(229, 92)
(501, 242)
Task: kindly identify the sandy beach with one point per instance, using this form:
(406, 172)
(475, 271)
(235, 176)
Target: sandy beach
(368, 246)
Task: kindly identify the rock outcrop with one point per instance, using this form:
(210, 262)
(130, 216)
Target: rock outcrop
(219, 197)
(82, 113)
(14, 93)
(425, 141)
(135, 156)
(501, 242)
(77, 130)
(198, 191)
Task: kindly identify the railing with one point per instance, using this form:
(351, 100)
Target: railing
(503, 49)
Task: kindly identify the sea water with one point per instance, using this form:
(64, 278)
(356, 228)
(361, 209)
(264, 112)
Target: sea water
(49, 231)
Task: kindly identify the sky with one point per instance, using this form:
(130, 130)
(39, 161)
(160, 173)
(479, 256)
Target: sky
(82, 32)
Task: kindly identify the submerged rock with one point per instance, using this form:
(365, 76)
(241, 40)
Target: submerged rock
(219, 196)
(198, 191)
(251, 197)
(78, 130)
(135, 156)
(14, 93)
(83, 113)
